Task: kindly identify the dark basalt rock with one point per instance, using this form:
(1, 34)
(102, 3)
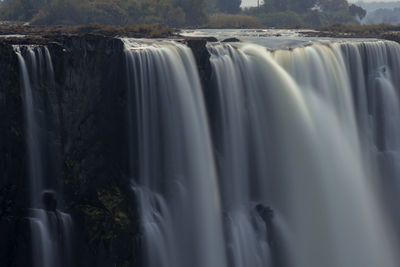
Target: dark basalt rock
(202, 56)
(13, 186)
(267, 214)
(50, 201)
(90, 70)
(89, 106)
(88, 113)
(274, 237)
(394, 36)
(231, 40)
(211, 39)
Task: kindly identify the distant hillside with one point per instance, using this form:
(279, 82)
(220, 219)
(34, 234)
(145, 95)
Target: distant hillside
(381, 12)
(383, 15)
(372, 6)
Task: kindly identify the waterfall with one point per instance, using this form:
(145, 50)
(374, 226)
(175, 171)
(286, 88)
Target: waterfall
(310, 132)
(50, 228)
(293, 164)
(172, 157)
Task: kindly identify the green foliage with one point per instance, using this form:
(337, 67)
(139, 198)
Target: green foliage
(277, 13)
(232, 21)
(277, 19)
(281, 5)
(210, 6)
(268, 6)
(301, 6)
(315, 19)
(107, 12)
(334, 5)
(284, 5)
(61, 12)
(136, 31)
(193, 10)
(341, 17)
(180, 13)
(19, 9)
(229, 6)
(357, 11)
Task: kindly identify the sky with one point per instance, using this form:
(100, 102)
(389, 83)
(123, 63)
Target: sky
(254, 2)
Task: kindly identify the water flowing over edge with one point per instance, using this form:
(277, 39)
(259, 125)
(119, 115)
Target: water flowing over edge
(51, 229)
(286, 158)
(293, 129)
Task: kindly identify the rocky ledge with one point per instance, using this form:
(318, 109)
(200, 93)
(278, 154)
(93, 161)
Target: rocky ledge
(89, 100)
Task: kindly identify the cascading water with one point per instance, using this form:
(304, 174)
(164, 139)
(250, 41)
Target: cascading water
(176, 182)
(301, 165)
(304, 147)
(303, 119)
(50, 228)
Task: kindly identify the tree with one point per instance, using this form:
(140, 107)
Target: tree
(333, 5)
(229, 6)
(210, 6)
(19, 9)
(301, 5)
(268, 6)
(357, 11)
(281, 5)
(117, 12)
(193, 10)
(63, 12)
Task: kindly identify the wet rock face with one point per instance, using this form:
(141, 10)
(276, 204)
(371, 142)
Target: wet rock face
(90, 74)
(88, 102)
(202, 57)
(88, 107)
(231, 40)
(50, 201)
(13, 187)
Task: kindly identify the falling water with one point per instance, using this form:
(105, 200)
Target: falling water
(175, 175)
(305, 142)
(51, 228)
(296, 165)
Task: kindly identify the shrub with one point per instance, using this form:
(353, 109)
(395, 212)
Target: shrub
(222, 20)
(281, 19)
(105, 12)
(60, 12)
(316, 19)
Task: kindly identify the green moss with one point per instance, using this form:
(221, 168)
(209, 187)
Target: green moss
(16, 131)
(95, 219)
(112, 201)
(108, 219)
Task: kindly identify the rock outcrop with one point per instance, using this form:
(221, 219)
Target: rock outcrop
(89, 100)
(89, 103)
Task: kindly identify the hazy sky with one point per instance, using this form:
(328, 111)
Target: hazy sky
(254, 2)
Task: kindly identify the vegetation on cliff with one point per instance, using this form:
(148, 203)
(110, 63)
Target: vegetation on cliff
(135, 31)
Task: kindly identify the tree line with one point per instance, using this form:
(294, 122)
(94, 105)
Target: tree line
(175, 13)
(306, 12)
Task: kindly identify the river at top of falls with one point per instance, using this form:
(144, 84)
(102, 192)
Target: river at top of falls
(271, 38)
(286, 160)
